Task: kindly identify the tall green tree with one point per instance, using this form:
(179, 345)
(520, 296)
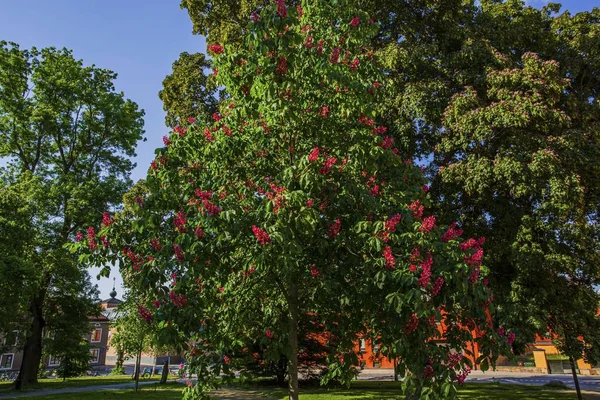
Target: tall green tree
(188, 91)
(436, 50)
(63, 124)
(293, 201)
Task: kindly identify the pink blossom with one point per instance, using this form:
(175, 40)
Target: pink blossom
(261, 236)
(145, 314)
(428, 224)
(437, 286)
(216, 48)
(314, 154)
(106, 219)
(390, 261)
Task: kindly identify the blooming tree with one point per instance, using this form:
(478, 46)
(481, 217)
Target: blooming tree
(292, 201)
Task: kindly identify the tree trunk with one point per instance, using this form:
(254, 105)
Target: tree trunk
(165, 372)
(281, 370)
(395, 369)
(575, 379)
(293, 341)
(32, 352)
(138, 361)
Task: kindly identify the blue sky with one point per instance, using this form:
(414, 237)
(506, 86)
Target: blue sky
(138, 39)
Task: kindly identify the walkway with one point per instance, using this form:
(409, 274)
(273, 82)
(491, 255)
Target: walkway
(46, 392)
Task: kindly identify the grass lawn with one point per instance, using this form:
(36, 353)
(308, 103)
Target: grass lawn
(77, 382)
(359, 391)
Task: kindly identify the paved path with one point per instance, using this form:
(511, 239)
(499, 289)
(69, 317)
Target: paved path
(46, 392)
(586, 382)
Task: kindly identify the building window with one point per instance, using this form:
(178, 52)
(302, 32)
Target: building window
(94, 356)
(375, 347)
(96, 335)
(6, 361)
(53, 361)
(362, 345)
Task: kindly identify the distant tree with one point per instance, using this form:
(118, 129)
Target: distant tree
(188, 91)
(70, 303)
(64, 127)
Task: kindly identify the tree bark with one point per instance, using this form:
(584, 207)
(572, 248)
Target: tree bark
(575, 379)
(138, 361)
(32, 352)
(293, 340)
(165, 372)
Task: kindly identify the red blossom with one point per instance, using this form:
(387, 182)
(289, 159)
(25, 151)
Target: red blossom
(428, 372)
(180, 131)
(156, 303)
(154, 165)
(191, 120)
(387, 142)
(437, 286)
(156, 244)
(428, 224)
(178, 300)
(355, 22)
(261, 235)
(380, 130)
(166, 140)
(106, 219)
(452, 233)
(376, 84)
(178, 252)
(412, 324)
(226, 360)
(324, 111)
(199, 232)
(390, 261)
(281, 68)
(309, 203)
(320, 47)
(179, 221)
(269, 334)
(281, 8)
(416, 208)
(327, 165)
(314, 154)
(425, 277)
(461, 376)
(254, 17)
(145, 314)
(334, 229)
(475, 258)
(354, 64)
(216, 117)
(300, 11)
(309, 42)
(335, 55)
(314, 271)
(216, 48)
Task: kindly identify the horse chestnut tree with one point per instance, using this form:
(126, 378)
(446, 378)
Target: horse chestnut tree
(293, 201)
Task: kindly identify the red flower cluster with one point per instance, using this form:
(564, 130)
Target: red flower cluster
(276, 196)
(136, 261)
(355, 22)
(281, 8)
(199, 232)
(335, 55)
(191, 120)
(106, 219)
(156, 244)
(451, 233)
(92, 239)
(354, 64)
(210, 208)
(254, 17)
(181, 131)
(215, 48)
(179, 222)
(154, 165)
(208, 135)
(314, 271)
(309, 203)
(314, 154)
(324, 111)
(261, 235)
(145, 314)
(472, 244)
(320, 47)
(428, 372)
(334, 229)
(416, 208)
(454, 359)
(226, 360)
(269, 334)
(390, 226)
(105, 241)
(390, 261)
(281, 68)
(387, 142)
(510, 338)
(461, 376)
(178, 300)
(166, 141)
(309, 42)
(300, 11)
(178, 252)
(380, 130)
(425, 277)
(437, 286)
(412, 324)
(428, 224)
(327, 165)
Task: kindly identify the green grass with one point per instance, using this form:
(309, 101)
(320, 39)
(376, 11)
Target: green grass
(77, 382)
(359, 391)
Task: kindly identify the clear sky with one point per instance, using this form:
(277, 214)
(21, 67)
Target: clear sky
(138, 39)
